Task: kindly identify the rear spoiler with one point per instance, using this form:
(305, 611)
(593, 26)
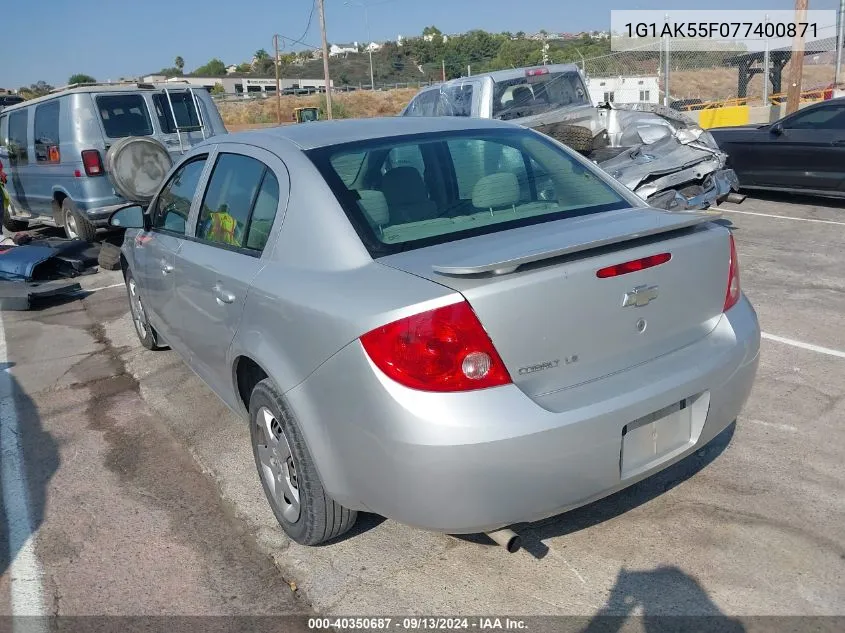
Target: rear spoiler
(510, 264)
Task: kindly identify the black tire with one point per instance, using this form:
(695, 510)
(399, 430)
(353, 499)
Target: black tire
(11, 225)
(577, 137)
(320, 518)
(109, 257)
(146, 333)
(76, 225)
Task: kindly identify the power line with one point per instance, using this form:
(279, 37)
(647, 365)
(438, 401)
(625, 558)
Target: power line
(307, 28)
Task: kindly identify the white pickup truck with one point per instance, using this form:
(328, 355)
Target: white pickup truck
(661, 155)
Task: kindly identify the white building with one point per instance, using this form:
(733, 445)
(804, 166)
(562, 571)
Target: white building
(623, 89)
(343, 49)
(372, 47)
(257, 86)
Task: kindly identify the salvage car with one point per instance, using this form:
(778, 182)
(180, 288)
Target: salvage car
(801, 153)
(659, 153)
(413, 329)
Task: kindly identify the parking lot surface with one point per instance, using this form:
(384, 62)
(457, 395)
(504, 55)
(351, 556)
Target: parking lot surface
(752, 524)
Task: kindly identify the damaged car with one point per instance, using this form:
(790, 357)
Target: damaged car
(660, 154)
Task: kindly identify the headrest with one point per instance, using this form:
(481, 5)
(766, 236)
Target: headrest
(496, 190)
(374, 205)
(403, 185)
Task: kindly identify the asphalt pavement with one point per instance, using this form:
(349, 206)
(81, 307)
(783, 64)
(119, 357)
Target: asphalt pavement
(143, 482)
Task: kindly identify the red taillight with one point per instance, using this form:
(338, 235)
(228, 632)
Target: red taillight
(633, 266)
(534, 72)
(445, 349)
(733, 293)
(92, 162)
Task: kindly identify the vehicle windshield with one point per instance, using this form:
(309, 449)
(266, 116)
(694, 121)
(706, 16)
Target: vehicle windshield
(525, 96)
(413, 191)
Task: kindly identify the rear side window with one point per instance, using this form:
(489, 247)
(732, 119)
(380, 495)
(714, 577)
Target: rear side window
(124, 115)
(19, 137)
(238, 185)
(453, 185)
(47, 132)
(183, 106)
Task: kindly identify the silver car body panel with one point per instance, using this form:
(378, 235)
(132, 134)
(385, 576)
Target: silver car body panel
(471, 461)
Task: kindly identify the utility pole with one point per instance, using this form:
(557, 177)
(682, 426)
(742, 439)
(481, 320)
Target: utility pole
(840, 36)
(278, 81)
(443, 63)
(796, 66)
(325, 59)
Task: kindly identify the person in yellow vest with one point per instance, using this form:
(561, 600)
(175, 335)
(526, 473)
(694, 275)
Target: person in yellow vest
(223, 227)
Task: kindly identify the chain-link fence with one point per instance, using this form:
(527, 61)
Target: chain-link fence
(696, 79)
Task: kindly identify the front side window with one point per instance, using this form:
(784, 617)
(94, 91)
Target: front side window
(19, 137)
(174, 201)
(829, 117)
(124, 115)
(47, 132)
(231, 194)
(471, 183)
(535, 94)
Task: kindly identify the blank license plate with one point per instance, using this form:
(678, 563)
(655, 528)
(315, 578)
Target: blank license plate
(656, 437)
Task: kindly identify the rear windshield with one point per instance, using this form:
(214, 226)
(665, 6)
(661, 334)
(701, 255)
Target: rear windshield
(124, 115)
(413, 191)
(525, 96)
(184, 108)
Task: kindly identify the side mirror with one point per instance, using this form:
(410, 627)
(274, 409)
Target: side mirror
(777, 129)
(129, 217)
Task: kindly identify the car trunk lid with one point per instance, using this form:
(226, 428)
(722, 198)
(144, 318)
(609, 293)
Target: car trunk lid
(554, 321)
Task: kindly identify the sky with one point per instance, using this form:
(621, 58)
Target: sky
(109, 39)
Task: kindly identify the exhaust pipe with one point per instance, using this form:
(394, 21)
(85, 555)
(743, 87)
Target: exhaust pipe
(508, 539)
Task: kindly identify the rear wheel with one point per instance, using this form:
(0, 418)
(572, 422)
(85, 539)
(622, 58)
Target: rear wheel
(146, 334)
(288, 475)
(10, 224)
(77, 226)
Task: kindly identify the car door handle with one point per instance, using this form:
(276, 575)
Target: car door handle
(223, 296)
(839, 143)
(166, 268)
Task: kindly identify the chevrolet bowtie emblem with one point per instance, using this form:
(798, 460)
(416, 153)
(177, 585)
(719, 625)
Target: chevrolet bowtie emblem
(639, 296)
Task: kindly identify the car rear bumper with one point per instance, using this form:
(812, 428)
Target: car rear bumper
(477, 461)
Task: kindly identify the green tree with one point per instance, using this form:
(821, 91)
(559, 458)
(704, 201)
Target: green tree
(214, 68)
(179, 63)
(261, 54)
(170, 72)
(38, 89)
(81, 78)
(244, 68)
(217, 89)
(431, 30)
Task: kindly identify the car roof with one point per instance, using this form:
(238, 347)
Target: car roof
(130, 87)
(512, 73)
(316, 134)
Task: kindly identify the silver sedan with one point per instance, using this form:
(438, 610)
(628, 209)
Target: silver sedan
(458, 324)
